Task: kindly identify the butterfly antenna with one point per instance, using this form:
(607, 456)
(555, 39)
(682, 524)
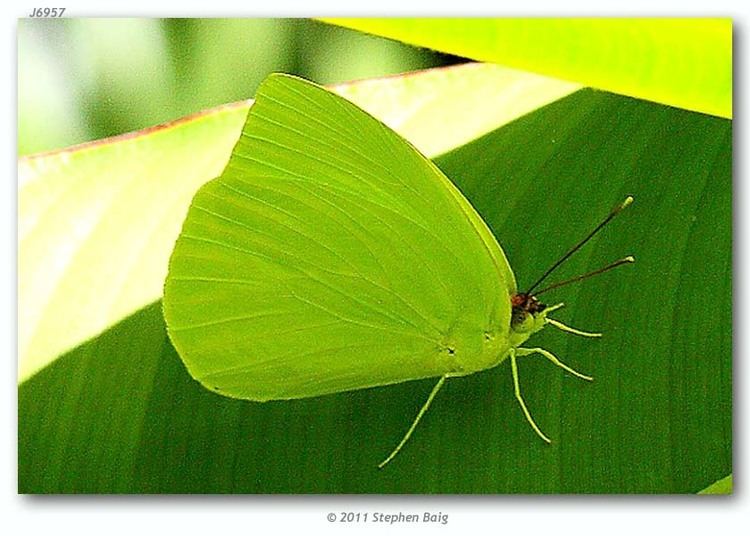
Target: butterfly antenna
(625, 260)
(615, 211)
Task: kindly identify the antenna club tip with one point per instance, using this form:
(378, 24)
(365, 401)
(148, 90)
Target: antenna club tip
(629, 258)
(628, 201)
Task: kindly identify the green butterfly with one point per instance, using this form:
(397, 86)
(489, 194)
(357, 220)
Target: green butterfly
(331, 256)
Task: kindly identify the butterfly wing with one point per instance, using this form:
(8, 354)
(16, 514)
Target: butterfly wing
(330, 255)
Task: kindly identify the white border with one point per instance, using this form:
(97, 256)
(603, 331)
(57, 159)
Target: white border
(554, 515)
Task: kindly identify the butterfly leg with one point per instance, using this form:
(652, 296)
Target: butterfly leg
(559, 325)
(517, 389)
(549, 355)
(416, 421)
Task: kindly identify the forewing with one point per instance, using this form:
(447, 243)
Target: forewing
(330, 255)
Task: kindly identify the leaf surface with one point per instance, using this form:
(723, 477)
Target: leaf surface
(97, 222)
(121, 414)
(680, 62)
(720, 487)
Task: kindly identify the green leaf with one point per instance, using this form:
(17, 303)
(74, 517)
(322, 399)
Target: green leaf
(121, 414)
(680, 62)
(720, 487)
(97, 222)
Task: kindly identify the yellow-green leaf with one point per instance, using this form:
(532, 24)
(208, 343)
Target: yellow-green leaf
(679, 62)
(97, 222)
(720, 487)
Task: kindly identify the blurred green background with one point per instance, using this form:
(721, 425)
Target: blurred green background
(85, 79)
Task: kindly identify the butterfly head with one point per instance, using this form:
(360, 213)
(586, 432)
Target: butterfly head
(528, 314)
